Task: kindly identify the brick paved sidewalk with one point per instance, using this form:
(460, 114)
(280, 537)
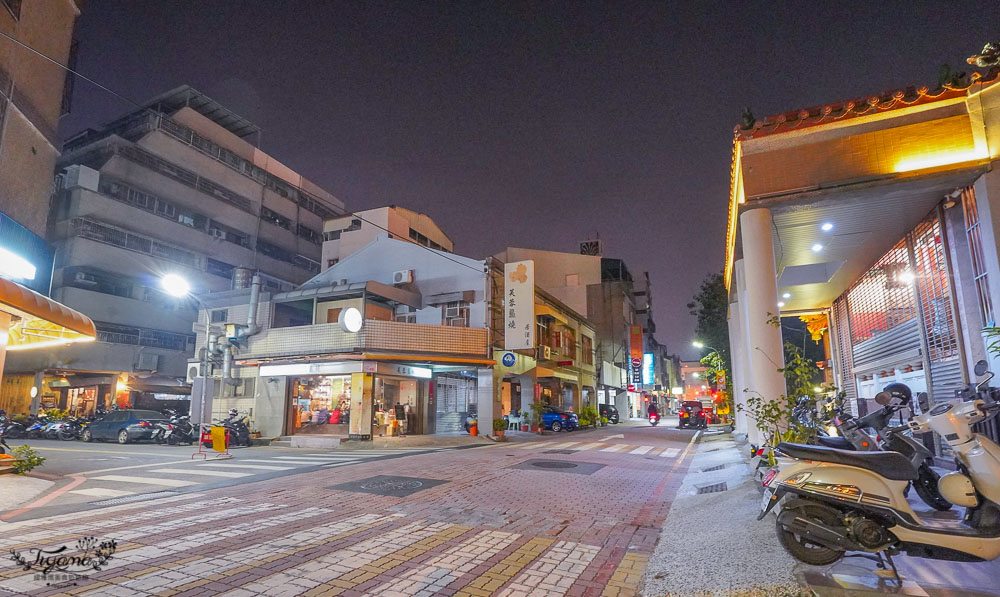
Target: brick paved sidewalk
(482, 528)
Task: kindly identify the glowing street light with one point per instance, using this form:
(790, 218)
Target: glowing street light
(175, 285)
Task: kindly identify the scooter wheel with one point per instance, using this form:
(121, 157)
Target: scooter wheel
(804, 550)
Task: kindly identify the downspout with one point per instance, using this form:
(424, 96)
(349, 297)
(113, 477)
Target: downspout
(251, 329)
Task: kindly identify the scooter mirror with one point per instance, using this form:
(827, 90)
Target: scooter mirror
(982, 367)
(923, 402)
(883, 398)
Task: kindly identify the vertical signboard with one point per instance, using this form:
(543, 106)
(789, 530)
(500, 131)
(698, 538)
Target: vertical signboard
(635, 352)
(647, 369)
(519, 305)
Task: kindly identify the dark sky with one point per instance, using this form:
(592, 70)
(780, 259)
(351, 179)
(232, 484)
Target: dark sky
(525, 124)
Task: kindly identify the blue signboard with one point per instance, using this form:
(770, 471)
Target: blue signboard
(508, 359)
(647, 368)
(25, 256)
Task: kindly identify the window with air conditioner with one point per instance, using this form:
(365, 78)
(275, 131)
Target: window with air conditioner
(220, 315)
(405, 314)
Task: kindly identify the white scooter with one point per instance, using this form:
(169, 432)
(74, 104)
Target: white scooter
(837, 501)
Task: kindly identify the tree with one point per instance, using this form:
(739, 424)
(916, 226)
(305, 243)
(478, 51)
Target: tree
(710, 306)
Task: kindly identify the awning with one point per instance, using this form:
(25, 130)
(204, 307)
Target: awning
(546, 372)
(550, 312)
(40, 321)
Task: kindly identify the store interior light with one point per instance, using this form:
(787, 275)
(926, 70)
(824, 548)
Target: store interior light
(817, 248)
(826, 227)
(781, 304)
(905, 277)
(786, 295)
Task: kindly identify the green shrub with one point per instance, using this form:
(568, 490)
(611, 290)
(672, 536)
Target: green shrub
(499, 425)
(604, 420)
(27, 459)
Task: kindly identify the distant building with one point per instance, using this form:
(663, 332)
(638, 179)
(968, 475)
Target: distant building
(33, 93)
(694, 380)
(345, 235)
(174, 186)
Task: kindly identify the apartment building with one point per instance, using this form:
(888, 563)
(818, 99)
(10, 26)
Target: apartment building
(176, 186)
(343, 236)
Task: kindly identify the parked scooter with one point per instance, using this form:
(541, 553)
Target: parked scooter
(72, 429)
(239, 433)
(13, 429)
(181, 431)
(35, 429)
(836, 501)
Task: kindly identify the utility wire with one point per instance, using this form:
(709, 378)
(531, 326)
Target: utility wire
(138, 105)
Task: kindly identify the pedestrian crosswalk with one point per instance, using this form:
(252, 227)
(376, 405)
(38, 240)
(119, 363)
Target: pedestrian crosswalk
(200, 472)
(661, 452)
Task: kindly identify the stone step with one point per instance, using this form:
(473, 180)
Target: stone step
(282, 443)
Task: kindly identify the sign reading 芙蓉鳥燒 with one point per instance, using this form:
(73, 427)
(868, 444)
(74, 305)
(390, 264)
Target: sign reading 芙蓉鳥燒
(519, 305)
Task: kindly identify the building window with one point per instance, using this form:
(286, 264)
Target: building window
(219, 268)
(332, 262)
(975, 235)
(220, 315)
(587, 350)
(275, 218)
(332, 235)
(405, 314)
(456, 314)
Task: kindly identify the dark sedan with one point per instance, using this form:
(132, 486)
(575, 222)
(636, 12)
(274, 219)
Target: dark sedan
(609, 412)
(124, 426)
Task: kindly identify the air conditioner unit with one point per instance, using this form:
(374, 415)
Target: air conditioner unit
(403, 276)
(458, 322)
(544, 352)
(85, 278)
(219, 234)
(193, 371)
(450, 312)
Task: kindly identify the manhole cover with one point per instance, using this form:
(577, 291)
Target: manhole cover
(713, 468)
(558, 466)
(559, 452)
(553, 464)
(388, 485)
(713, 488)
(392, 484)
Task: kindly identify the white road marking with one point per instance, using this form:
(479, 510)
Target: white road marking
(145, 480)
(207, 473)
(272, 461)
(101, 492)
(535, 445)
(259, 466)
(615, 448)
(564, 445)
(589, 446)
(619, 436)
(641, 450)
(670, 453)
(306, 458)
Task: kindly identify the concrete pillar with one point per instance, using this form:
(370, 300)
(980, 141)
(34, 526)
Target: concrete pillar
(485, 400)
(362, 385)
(763, 347)
(737, 346)
(987, 190)
(36, 402)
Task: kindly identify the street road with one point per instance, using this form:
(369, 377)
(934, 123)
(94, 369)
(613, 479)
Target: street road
(562, 514)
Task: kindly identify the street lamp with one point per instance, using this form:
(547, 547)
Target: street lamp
(700, 344)
(178, 287)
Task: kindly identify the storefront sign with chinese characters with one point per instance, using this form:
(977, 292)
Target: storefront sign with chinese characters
(519, 305)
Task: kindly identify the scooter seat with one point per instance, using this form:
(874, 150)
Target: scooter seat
(834, 442)
(891, 465)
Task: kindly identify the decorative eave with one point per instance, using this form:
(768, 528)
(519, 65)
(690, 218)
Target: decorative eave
(902, 98)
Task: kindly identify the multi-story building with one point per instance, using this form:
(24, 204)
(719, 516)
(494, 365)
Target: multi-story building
(874, 221)
(32, 98)
(175, 186)
(419, 360)
(345, 235)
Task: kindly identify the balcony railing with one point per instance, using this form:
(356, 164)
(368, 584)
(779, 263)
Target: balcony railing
(375, 335)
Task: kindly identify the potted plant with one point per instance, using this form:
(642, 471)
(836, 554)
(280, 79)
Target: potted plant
(525, 420)
(536, 418)
(499, 425)
(604, 421)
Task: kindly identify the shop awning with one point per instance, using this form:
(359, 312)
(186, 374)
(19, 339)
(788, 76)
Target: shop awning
(550, 312)
(40, 321)
(546, 372)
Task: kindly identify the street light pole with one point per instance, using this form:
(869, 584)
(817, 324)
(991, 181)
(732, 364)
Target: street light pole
(178, 287)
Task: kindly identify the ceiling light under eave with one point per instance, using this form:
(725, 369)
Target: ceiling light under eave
(826, 227)
(781, 304)
(786, 295)
(817, 248)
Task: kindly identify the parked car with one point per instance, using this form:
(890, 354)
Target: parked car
(691, 414)
(557, 420)
(124, 426)
(609, 412)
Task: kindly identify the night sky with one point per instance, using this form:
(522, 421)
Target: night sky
(525, 124)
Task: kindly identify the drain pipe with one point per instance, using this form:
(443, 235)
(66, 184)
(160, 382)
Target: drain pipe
(251, 329)
(227, 366)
